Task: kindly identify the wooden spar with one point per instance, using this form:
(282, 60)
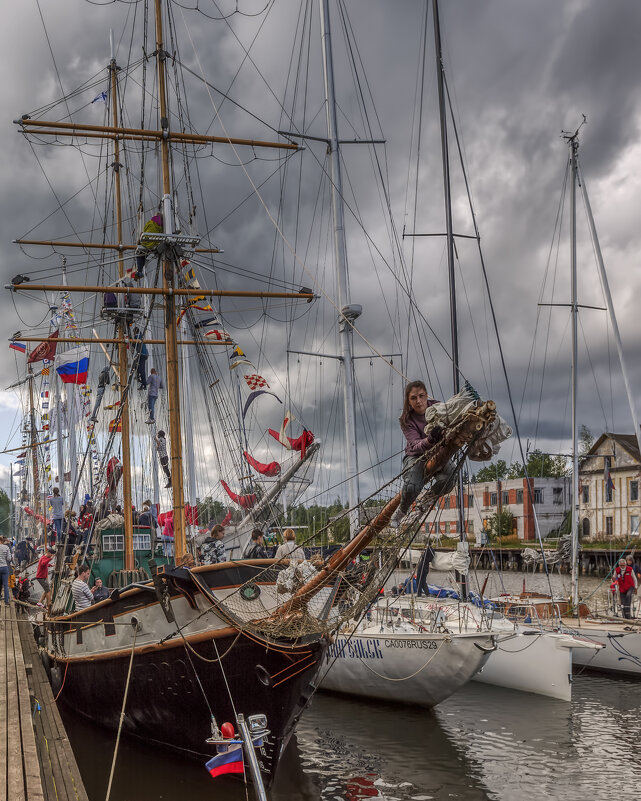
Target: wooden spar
(129, 559)
(26, 447)
(171, 351)
(164, 135)
(190, 139)
(137, 290)
(112, 341)
(94, 245)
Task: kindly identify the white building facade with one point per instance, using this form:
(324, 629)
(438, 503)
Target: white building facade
(609, 486)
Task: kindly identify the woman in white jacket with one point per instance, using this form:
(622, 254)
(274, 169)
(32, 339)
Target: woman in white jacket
(287, 549)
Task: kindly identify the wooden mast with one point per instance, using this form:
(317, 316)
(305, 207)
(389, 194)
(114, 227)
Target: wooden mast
(122, 346)
(34, 457)
(171, 350)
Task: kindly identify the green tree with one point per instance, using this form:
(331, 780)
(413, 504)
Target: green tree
(501, 524)
(210, 511)
(586, 440)
(492, 472)
(539, 465)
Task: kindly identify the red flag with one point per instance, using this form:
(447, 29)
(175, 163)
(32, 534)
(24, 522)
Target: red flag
(45, 350)
(245, 501)
(227, 519)
(272, 469)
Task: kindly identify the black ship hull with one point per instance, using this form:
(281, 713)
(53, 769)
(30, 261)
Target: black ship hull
(189, 664)
(171, 693)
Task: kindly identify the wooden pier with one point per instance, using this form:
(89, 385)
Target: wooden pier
(36, 760)
(592, 562)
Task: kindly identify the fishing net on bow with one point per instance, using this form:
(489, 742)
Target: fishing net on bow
(298, 599)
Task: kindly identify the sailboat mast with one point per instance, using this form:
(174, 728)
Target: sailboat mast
(574, 151)
(450, 249)
(34, 456)
(129, 561)
(171, 350)
(348, 313)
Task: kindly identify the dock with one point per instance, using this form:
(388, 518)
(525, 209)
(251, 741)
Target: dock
(36, 760)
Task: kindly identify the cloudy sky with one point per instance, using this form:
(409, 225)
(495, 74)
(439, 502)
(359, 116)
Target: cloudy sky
(519, 73)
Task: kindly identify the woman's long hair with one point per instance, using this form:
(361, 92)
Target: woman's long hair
(407, 409)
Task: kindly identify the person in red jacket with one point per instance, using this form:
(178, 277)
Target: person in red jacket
(42, 576)
(626, 581)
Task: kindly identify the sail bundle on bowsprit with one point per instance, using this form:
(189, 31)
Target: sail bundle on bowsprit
(300, 443)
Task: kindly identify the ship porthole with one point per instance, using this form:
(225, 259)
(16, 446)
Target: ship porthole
(263, 676)
(250, 592)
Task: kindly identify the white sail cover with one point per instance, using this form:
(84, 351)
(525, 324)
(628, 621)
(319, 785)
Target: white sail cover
(453, 560)
(448, 413)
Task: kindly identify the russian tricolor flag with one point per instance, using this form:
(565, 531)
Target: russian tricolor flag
(20, 346)
(228, 761)
(73, 365)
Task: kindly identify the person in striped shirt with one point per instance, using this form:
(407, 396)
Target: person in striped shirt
(80, 589)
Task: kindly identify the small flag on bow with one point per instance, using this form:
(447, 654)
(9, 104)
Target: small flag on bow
(229, 760)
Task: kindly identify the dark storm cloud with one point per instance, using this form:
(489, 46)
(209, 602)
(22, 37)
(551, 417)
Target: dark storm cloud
(519, 73)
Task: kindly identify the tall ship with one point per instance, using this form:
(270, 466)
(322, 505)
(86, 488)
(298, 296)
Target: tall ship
(136, 384)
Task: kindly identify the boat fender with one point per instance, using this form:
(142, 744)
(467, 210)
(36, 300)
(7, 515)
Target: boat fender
(46, 663)
(56, 679)
(37, 633)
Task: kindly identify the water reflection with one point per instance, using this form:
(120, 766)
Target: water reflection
(482, 743)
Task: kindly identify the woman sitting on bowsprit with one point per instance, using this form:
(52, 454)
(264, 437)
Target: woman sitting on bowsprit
(412, 422)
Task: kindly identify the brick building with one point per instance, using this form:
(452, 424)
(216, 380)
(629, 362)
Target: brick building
(549, 502)
(609, 483)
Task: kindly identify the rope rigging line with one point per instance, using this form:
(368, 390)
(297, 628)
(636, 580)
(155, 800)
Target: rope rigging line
(279, 229)
(122, 714)
(497, 334)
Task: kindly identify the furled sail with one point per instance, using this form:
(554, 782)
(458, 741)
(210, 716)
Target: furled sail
(245, 501)
(272, 469)
(300, 443)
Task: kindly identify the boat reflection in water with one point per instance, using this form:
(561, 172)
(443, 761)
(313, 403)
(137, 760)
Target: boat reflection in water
(482, 743)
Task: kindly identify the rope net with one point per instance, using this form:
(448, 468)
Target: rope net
(292, 599)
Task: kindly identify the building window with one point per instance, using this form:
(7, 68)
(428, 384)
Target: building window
(519, 497)
(557, 495)
(493, 499)
(634, 490)
(585, 493)
(608, 526)
(505, 498)
(634, 525)
(538, 495)
(446, 502)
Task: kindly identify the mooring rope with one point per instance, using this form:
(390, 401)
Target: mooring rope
(122, 714)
